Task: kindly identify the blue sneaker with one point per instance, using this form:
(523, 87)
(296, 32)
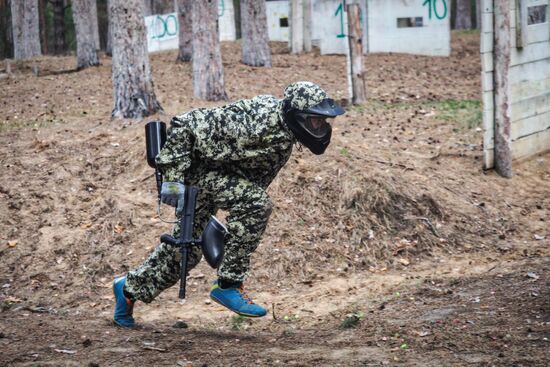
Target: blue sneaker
(124, 307)
(236, 300)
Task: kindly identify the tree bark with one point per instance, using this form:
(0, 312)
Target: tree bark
(463, 14)
(147, 8)
(208, 81)
(503, 150)
(86, 54)
(109, 44)
(133, 92)
(183, 8)
(355, 38)
(42, 21)
(237, 15)
(26, 29)
(95, 25)
(255, 40)
(6, 51)
(59, 45)
(478, 14)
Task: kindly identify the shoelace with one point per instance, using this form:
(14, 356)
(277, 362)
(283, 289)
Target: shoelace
(245, 296)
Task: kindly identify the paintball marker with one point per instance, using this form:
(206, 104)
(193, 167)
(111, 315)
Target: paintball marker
(212, 239)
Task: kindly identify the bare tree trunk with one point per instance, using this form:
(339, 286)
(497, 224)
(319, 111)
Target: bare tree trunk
(463, 14)
(42, 21)
(208, 80)
(255, 43)
(109, 44)
(86, 54)
(355, 37)
(237, 15)
(183, 8)
(26, 29)
(95, 25)
(5, 30)
(478, 14)
(147, 8)
(162, 6)
(503, 150)
(59, 45)
(133, 92)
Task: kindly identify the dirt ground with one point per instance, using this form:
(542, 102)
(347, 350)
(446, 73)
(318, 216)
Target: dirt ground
(395, 248)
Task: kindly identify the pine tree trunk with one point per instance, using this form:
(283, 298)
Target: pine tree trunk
(147, 8)
(255, 40)
(86, 54)
(132, 81)
(355, 38)
(6, 51)
(26, 29)
(184, 8)
(109, 44)
(59, 45)
(43, 35)
(463, 14)
(208, 80)
(478, 14)
(95, 25)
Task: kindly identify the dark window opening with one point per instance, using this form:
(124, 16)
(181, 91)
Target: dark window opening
(283, 22)
(410, 22)
(536, 14)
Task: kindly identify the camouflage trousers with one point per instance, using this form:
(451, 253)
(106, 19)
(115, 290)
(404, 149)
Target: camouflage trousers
(248, 207)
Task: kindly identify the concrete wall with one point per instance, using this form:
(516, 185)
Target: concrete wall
(163, 29)
(277, 13)
(425, 26)
(529, 78)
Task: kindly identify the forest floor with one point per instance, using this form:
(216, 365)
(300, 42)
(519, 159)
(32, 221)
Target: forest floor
(395, 248)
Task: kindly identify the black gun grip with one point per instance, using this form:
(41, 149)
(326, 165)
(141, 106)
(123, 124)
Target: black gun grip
(169, 240)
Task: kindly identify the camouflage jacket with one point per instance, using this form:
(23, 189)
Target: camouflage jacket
(248, 138)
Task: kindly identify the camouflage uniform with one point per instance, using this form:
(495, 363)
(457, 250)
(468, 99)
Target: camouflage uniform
(232, 153)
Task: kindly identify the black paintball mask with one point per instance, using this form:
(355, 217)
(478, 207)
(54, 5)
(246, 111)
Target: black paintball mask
(311, 126)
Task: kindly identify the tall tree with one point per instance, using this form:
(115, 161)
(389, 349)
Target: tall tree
(463, 14)
(26, 29)
(183, 8)
(208, 80)
(132, 81)
(255, 40)
(6, 39)
(147, 7)
(42, 22)
(86, 52)
(58, 9)
(95, 25)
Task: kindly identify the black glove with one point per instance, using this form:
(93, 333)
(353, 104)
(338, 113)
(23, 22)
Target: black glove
(173, 194)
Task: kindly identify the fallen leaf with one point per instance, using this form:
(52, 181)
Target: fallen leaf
(539, 238)
(12, 243)
(533, 275)
(404, 261)
(85, 225)
(119, 228)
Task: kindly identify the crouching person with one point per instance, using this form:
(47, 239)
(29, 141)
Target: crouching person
(231, 153)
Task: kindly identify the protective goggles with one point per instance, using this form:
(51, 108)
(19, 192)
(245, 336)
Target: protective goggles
(316, 125)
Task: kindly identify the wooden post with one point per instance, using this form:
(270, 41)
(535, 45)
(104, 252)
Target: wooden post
(355, 39)
(297, 26)
(503, 150)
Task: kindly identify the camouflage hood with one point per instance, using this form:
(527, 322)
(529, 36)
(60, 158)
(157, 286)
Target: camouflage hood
(303, 95)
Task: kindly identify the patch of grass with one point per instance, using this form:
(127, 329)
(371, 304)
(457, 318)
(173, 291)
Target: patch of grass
(238, 323)
(29, 124)
(466, 114)
(351, 320)
(344, 152)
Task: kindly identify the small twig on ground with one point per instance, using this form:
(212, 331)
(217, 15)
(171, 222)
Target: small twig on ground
(391, 164)
(428, 223)
(154, 348)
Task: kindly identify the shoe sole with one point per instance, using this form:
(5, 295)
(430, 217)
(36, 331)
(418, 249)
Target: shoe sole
(237, 312)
